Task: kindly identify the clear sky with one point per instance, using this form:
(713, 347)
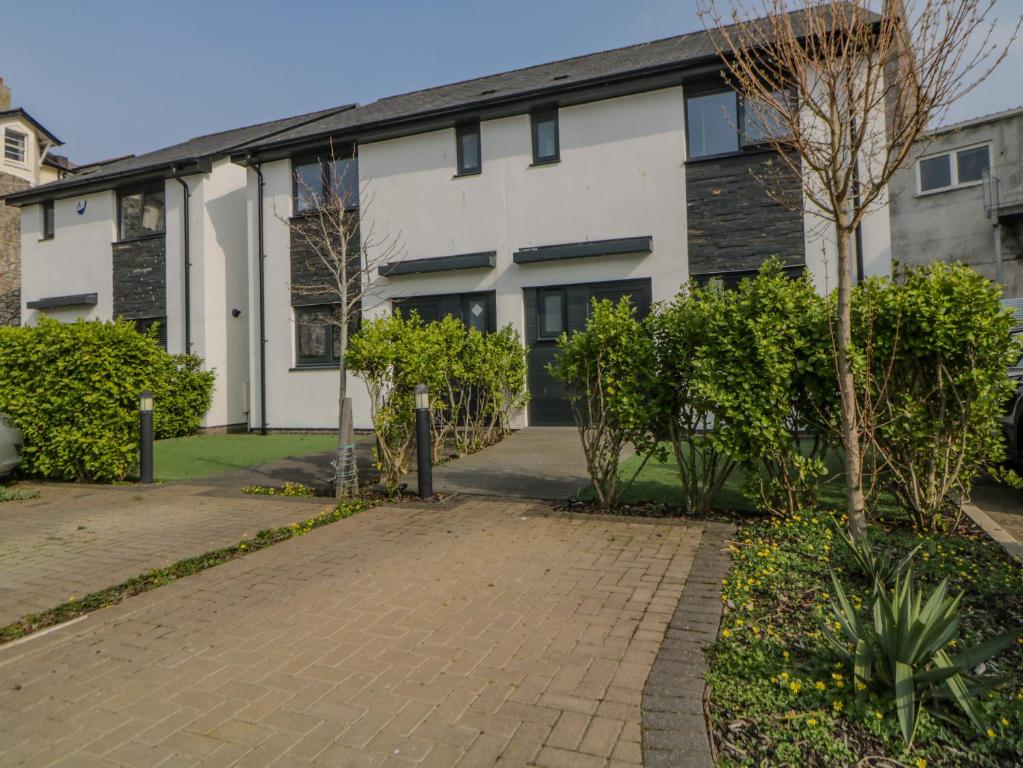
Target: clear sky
(112, 76)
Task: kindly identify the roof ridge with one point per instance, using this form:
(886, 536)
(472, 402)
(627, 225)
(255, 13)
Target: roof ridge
(315, 114)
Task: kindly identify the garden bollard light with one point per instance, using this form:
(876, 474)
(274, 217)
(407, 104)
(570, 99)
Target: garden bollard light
(424, 464)
(146, 437)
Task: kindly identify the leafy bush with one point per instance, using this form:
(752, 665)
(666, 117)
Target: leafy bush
(607, 369)
(680, 414)
(903, 651)
(476, 381)
(764, 368)
(288, 489)
(931, 357)
(73, 391)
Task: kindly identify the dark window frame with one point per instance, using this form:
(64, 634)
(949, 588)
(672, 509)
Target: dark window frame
(143, 324)
(327, 360)
(466, 298)
(48, 220)
(540, 116)
(324, 161)
(149, 189)
(541, 294)
(462, 130)
(744, 146)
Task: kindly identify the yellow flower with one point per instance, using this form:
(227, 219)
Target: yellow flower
(785, 655)
(990, 733)
(878, 715)
(921, 763)
(837, 705)
(819, 685)
(811, 721)
(784, 675)
(1005, 722)
(725, 633)
(795, 686)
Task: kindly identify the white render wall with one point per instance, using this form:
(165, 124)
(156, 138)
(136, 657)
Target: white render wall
(621, 174)
(76, 260)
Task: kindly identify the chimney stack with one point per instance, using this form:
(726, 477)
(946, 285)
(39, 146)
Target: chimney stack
(5, 96)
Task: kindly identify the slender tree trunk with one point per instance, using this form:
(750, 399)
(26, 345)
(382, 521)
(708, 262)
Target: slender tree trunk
(340, 483)
(855, 506)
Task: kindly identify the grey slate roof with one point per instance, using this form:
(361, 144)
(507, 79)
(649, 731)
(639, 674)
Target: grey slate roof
(676, 52)
(19, 112)
(210, 145)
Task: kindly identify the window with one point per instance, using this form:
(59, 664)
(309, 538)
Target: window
(318, 340)
(545, 137)
(315, 178)
(476, 310)
(552, 319)
(141, 212)
(957, 168)
(15, 146)
(467, 138)
(47, 219)
(722, 122)
(145, 324)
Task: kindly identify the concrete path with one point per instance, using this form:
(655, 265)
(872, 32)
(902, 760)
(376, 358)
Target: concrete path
(74, 540)
(484, 633)
(533, 463)
(1002, 504)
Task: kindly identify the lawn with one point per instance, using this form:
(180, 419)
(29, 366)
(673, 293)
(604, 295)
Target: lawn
(186, 458)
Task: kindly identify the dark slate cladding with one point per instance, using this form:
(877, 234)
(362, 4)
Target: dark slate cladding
(733, 223)
(311, 281)
(140, 278)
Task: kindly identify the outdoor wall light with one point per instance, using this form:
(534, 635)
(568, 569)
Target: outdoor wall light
(236, 312)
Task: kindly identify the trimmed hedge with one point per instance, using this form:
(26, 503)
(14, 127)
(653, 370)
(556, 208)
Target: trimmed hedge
(73, 391)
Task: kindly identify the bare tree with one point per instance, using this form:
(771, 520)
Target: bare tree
(842, 94)
(336, 253)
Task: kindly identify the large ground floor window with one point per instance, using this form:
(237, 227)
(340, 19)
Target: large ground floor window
(476, 310)
(318, 342)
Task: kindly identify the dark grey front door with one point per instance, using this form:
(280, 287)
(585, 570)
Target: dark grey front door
(551, 310)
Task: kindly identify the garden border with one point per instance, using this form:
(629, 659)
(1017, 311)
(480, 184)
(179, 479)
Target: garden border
(994, 531)
(676, 733)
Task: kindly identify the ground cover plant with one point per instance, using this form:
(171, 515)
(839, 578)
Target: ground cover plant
(288, 489)
(782, 695)
(15, 494)
(157, 577)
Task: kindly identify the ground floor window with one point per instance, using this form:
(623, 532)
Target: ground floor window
(731, 279)
(476, 310)
(318, 340)
(143, 324)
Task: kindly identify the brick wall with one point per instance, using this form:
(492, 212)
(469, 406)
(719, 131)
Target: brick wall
(10, 252)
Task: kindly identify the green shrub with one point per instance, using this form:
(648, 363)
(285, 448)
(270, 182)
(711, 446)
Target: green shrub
(607, 369)
(931, 356)
(477, 382)
(764, 368)
(73, 391)
(288, 489)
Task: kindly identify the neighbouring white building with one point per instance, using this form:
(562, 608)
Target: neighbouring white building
(518, 198)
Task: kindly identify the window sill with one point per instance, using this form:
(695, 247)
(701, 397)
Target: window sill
(140, 238)
(463, 174)
(552, 161)
(313, 367)
(310, 214)
(942, 190)
(759, 149)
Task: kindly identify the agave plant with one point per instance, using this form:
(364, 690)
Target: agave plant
(903, 650)
(878, 566)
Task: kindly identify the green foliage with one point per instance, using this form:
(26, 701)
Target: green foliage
(904, 651)
(779, 695)
(73, 390)
(931, 353)
(477, 382)
(14, 494)
(288, 489)
(679, 412)
(158, 577)
(764, 368)
(607, 369)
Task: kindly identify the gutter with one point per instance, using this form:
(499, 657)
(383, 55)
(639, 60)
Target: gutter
(186, 255)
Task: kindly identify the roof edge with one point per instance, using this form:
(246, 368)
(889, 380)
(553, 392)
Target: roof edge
(35, 124)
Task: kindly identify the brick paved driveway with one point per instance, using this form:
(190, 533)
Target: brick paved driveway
(79, 539)
(488, 632)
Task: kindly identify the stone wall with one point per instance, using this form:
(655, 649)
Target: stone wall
(733, 223)
(10, 252)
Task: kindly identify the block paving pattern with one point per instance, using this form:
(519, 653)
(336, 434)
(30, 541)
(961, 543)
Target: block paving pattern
(74, 540)
(486, 633)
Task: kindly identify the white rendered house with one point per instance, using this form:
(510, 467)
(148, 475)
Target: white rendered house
(519, 197)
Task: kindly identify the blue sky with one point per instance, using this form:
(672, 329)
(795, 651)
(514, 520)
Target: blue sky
(112, 76)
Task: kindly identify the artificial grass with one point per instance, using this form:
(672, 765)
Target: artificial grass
(191, 565)
(186, 458)
(780, 696)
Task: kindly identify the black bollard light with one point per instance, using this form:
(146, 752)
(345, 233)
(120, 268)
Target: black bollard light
(146, 437)
(424, 464)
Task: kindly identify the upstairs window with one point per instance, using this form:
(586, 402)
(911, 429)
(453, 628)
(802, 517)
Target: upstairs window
(722, 123)
(320, 180)
(15, 146)
(141, 212)
(467, 139)
(957, 168)
(545, 137)
(47, 220)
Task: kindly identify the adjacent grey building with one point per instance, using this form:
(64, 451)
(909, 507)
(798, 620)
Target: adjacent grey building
(960, 198)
